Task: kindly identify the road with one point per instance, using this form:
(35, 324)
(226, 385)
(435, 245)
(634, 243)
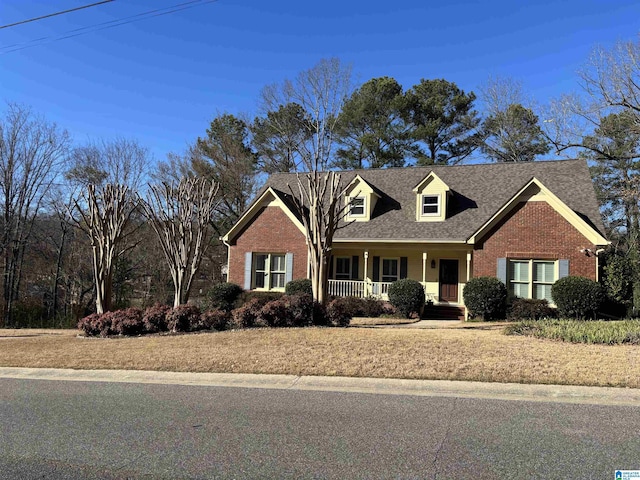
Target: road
(85, 430)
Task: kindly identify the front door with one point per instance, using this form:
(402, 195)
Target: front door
(449, 280)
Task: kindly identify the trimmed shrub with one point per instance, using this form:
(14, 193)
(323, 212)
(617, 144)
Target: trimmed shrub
(127, 321)
(223, 296)
(530, 309)
(363, 307)
(407, 296)
(247, 315)
(263, 297)
(301, 309)
(155, 318)
(295, 287)
(183, 318)
(276, 314)
(485, 297)
(94, 325)
(337, 313)
(214, 320)
(577, 297)
(320, 316)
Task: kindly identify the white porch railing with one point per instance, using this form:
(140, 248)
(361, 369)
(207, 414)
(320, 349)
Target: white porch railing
(364, 289)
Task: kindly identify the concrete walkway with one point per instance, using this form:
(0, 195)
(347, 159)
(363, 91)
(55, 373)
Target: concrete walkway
(434, 388)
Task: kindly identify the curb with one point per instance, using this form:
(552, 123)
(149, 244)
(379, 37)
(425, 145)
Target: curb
(376, 386)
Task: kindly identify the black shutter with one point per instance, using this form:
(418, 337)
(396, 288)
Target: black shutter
(354, 267)
(331, 267)
(376, 269)
(403, 267)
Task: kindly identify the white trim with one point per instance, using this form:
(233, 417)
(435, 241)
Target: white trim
(350, 214)
(335, 267)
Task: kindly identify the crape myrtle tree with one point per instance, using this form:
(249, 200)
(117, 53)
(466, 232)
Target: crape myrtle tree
(104, 214)
(321, 92)
(31, 149)
(180, 214)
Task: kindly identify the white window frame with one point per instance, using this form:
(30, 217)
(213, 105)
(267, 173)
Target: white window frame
(437, 204)
(382, 275)
(531, 282)
(364, 206)
(270, 273)
(341, 275)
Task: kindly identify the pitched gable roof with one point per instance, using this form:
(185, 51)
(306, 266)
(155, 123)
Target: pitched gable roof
(478, 192)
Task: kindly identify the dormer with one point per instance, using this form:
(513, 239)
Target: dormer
(431, 199)
(360, 200)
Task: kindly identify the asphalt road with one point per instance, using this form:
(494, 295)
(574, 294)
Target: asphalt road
(86, 430)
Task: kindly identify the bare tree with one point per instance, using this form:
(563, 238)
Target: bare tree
(120, 161)
(320, 91)
(108, 212)
(180, 215)
(30, 153)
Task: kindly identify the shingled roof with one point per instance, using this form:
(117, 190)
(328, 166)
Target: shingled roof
(478, 192)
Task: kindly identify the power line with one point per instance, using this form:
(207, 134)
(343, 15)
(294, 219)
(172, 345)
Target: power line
(55, 14)
(105, 25)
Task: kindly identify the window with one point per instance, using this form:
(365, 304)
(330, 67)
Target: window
(389, 269)
(430, 205)
(343, 268)
(269, 271)
(532, 278)
(356, 208)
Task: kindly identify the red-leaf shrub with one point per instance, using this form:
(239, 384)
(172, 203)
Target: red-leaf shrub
(276, 314)
(247, 315)
(94, 325)
(155, 318)
(183, 318)
(301, 308)
(127, 321)
(213, 320)
(338, 313)
(320, 317)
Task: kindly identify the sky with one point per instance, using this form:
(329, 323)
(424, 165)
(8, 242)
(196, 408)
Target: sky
(163, 79)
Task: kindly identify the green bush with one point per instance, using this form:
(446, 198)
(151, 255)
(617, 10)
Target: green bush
(530, 309)
(302, 286)
(407, 296)
(485, 297)
(576, 331)
(577, 297)
(223, 296)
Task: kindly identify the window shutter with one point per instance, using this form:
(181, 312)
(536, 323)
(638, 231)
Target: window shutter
(376, 269)
(563, 268)
(248, 261)
(502, 270)
(403, 267)
(330, 267)
(288, 274)
(354, 267)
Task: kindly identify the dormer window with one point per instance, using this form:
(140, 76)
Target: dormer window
(357, 207)
(430, 205)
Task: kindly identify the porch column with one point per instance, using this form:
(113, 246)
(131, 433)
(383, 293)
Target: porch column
(366, 274)
(468, 265)
(424, 267)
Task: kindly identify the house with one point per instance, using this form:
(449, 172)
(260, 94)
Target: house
(528, 224)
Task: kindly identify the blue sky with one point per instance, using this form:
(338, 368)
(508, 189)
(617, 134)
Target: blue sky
(163, 79)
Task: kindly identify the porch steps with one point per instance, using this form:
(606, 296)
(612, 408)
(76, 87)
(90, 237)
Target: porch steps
(442, 312)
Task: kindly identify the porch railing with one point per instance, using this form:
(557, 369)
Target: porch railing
(364, 289)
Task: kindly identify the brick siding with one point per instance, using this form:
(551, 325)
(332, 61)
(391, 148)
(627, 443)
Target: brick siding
(270, 231)
(534, 230)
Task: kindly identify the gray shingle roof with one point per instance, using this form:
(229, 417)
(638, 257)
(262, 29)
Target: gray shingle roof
(478, 192)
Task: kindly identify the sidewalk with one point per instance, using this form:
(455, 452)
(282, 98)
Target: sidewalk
(435, 388)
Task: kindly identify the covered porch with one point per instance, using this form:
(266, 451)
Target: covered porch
(369, 270)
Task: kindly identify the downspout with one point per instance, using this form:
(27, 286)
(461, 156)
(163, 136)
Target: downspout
(222, 239)
(598, 252)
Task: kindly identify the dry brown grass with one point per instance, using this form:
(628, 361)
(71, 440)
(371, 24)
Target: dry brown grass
(364, 321)
(476, 353)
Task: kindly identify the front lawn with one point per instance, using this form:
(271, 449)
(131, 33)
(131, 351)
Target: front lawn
(479, 352)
